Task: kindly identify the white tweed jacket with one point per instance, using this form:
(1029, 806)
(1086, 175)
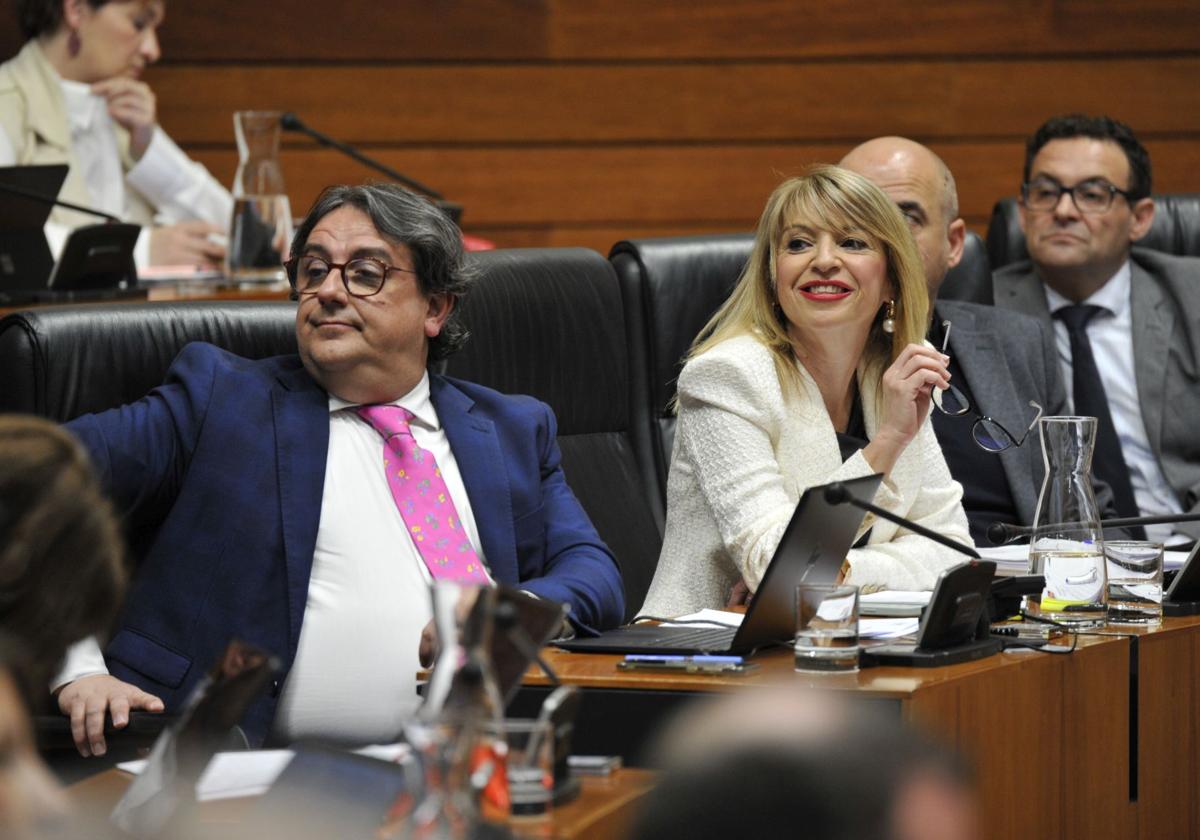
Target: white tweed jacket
(744, 454)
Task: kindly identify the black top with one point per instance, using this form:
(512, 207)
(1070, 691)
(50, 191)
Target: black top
(852, 440)
(987, 497)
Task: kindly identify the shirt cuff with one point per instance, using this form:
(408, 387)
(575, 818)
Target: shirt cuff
(163, 171)
(84, 659)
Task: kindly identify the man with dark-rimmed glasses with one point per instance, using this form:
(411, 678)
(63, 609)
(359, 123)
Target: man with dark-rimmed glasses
(307, 501)
(1126, 320)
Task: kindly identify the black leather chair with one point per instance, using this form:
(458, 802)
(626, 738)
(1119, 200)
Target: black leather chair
(60, 362)
(1176, 229)
(549, 323)
(971, 279)
(671, 287)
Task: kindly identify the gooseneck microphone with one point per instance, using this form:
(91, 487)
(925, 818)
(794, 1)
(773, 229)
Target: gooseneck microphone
(290, 122)
(837, 494)
(1001, 533)
(57, 202)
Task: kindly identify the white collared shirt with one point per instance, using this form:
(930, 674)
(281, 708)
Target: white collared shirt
(354, 676)
(1111, 335)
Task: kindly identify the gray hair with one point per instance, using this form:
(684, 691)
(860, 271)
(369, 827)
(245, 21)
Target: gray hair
(405, 218)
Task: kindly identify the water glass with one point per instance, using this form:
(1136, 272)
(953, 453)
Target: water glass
(826, 628)
(1135, 581)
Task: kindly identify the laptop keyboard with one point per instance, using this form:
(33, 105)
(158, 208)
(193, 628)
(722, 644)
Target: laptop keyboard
(700, 638)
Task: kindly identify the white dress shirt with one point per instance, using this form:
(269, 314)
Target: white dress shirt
(1111, 335)
(354, 676)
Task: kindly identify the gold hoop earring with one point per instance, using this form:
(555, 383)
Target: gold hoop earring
(889, 317)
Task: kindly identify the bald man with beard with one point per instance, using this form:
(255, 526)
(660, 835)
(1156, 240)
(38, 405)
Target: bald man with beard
(999, 360)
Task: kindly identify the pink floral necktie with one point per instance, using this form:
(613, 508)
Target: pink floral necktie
(422, 498)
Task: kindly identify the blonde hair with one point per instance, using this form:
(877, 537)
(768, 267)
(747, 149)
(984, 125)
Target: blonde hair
(843, 202)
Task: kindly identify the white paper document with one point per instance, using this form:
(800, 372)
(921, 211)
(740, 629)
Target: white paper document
(886, 628)
(894, 603)
(707, 618)
(231, 775)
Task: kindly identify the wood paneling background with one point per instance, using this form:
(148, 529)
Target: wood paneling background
(577, 122)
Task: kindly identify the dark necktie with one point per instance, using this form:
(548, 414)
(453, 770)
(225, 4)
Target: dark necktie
(1091, 401)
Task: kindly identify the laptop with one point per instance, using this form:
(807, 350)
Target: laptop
(812, 549)
(96, 262)
(25, 258)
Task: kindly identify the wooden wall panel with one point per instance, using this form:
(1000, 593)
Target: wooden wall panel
(697, 102)
(585, 121)
(469, 30)
(709, 187)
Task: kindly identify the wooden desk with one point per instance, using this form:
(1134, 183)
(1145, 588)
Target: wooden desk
(173, 292)
(1049, 735)
(602, 811)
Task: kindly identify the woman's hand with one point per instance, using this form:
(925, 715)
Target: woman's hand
(906, 391)
(132, 106)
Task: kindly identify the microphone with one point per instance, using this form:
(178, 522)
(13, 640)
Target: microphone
(290, 122)
(56, 202)
(837, 494)
(1001, 532)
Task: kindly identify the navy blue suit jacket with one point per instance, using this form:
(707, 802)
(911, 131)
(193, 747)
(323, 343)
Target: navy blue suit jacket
(223, 467)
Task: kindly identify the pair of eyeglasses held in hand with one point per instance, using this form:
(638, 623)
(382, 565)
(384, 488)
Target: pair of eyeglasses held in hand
(986, 432)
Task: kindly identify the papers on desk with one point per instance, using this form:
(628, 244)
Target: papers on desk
(887, 628)
(894, 603)
(707, 618)
(1009, 559)
(1014, 559)
(868, 628)
(231, 775)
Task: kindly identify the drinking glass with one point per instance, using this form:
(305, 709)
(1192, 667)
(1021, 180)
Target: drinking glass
(1135, 581)
(826, 627)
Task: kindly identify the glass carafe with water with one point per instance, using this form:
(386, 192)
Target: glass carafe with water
(455, 757)
(261, 230)
(1067, 546)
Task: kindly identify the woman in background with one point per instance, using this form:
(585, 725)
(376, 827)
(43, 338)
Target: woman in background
(813, 371)
(73, 95)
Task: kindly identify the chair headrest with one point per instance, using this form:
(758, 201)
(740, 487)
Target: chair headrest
(61, 362)
(683, 282)
(548, 322)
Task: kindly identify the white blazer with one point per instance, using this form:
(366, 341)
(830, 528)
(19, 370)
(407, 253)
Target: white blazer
(744, 454)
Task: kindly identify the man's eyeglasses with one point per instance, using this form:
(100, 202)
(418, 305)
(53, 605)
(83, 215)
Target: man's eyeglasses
(362, 277)
(986, 432)
(1094, 196)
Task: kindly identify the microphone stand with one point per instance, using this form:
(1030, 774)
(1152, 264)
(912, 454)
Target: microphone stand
(836, 494)
(56, 202)
(290, 122)
(1001, 533)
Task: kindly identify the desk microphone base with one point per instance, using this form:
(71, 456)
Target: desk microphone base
(1178, 608)
(910, 656)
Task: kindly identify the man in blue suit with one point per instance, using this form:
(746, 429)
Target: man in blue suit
(272, 516)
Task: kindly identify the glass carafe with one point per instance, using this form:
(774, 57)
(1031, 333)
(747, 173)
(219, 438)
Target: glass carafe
(261, 229)
(1067, 545)
(455, 758)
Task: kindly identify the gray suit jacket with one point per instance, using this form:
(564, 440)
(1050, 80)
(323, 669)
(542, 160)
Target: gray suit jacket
(1007, 360)
(1166, 353)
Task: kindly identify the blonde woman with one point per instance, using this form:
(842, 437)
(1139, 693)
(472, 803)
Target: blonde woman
(815, 370)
